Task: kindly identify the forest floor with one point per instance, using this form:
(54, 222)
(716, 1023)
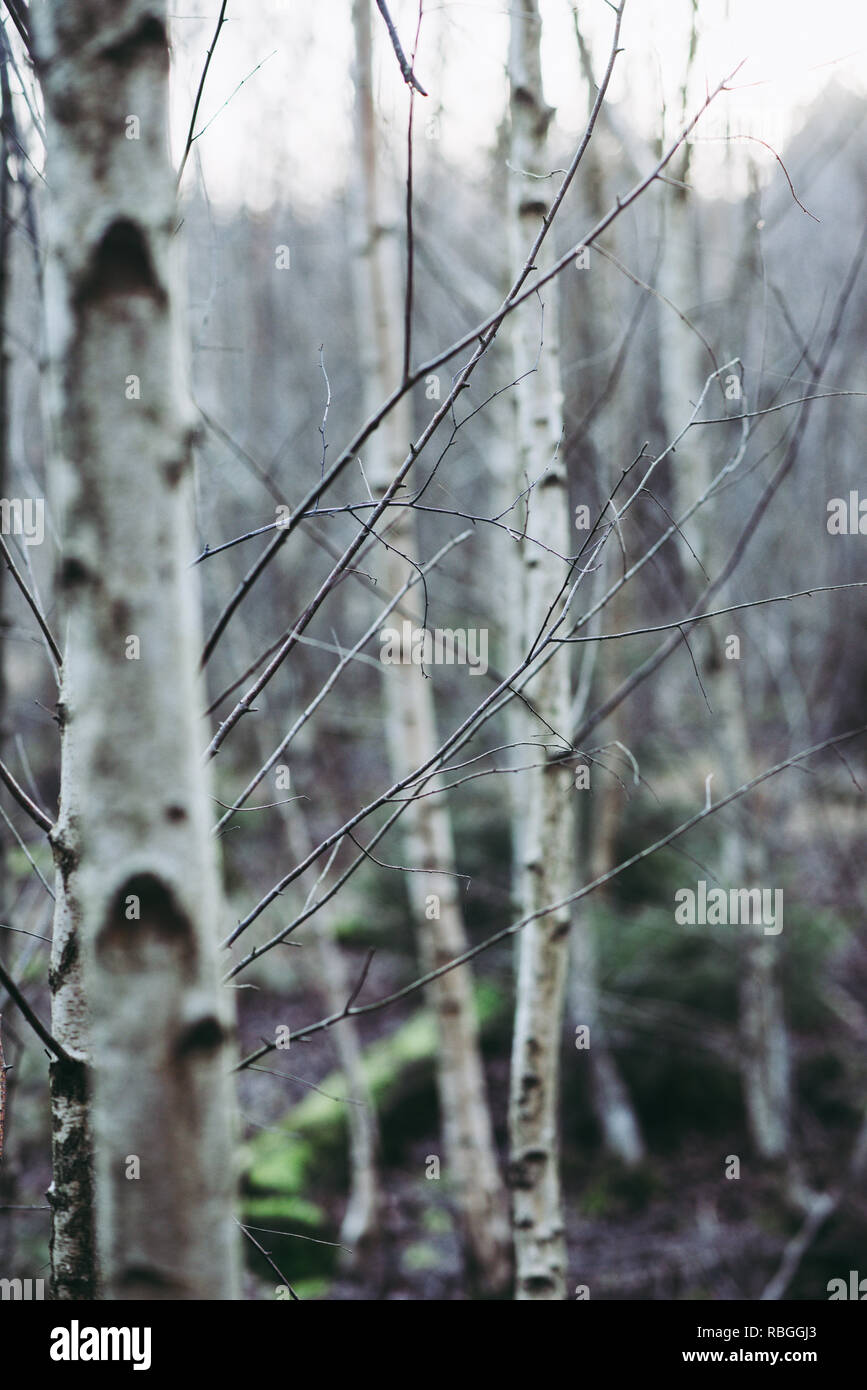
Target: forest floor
(675, 1227)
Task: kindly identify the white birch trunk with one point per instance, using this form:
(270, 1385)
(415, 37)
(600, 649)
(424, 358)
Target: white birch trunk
(135, 971)
(612, 1104)
(471, 1159)
(763, 1040)
(548, 831)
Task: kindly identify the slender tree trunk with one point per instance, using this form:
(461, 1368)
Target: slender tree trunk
(135, 984)
(7, 1170)
(763, 1038)
(5, 224)
(361, 1229)
(548, 832)
(471, 1159)
(70, 1194)
(612, 1104)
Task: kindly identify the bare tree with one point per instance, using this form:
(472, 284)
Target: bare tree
(433, 886)
(137, 1001)
(141, 1030)
(595, 451)
(684, 360)
(548, 832)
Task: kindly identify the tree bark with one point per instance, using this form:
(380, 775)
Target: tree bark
(5, 247)
(7, 1170)
(471, 1158)
(548, 831)
(135, 981)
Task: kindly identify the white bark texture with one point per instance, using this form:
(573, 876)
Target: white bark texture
(471, 1159)
(74, 1269)
(763, 1040)
(135, 975)
(548, 830)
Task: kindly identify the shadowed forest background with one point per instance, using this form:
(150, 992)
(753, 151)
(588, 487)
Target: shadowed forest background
(711, 1088)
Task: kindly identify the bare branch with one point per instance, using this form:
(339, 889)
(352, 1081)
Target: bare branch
(34, 812)
(481, 337)
(409, 76)
(39, 1028)
(473, 951)
(18, 13)
(32, 605)
(221, 19)
(681, 623)
(264, 1252)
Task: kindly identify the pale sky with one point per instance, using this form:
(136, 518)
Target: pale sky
(287, 132)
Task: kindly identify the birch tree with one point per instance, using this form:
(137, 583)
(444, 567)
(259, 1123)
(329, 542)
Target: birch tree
(763, 1049)
(604, 451)
(548, 832)
(471, 1159)
(143, 1110)
(6, 1177)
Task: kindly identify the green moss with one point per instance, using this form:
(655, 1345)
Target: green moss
(284, 1208)
(436, 1221)
(18, 866)
(281, 1164)
(309, 1289)
(311, 1136)
(421, 1256)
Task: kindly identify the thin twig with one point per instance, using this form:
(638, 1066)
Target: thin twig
(199, 133)
(556, 906)
(483, 335)
(221, 19)
(361, 979)
(681, 623)
(264, 1252)
(13, 830)
(42, 820)
(18, 14)
(410, 237)
(39, 1028)
(31, 602)
(296, 1235)
(409, 76)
